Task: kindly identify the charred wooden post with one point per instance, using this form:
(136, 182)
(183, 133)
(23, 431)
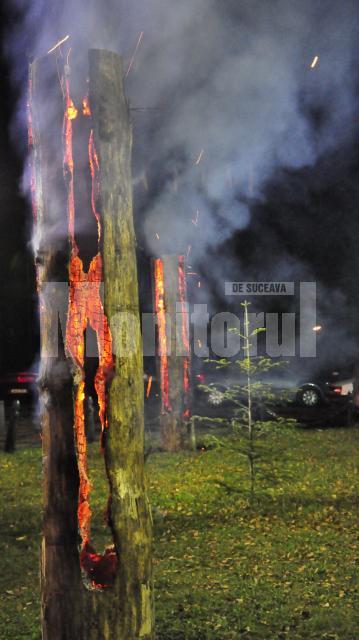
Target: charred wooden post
(172, 348)
(60, 566)
(86, 595)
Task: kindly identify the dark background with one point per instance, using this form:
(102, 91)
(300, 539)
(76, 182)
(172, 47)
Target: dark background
(305, 227)
(18, 325)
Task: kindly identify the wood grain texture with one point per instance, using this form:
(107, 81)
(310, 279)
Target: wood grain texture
(124, 449)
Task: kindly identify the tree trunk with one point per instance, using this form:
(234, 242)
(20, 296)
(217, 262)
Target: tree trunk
(124, 451)
(173, 365)
(70, 610)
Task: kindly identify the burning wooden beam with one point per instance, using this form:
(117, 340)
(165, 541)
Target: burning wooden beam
(173, 347)
(115, 601)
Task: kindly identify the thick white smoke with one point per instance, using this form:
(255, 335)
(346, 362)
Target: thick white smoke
(231, 78)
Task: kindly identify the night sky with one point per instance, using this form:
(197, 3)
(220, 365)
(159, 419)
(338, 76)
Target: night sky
(304, 223)
(18, 325)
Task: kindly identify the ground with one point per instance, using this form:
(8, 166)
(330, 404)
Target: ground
(285, 566)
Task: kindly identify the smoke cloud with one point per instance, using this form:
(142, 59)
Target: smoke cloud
(232, 80)
(224, 97)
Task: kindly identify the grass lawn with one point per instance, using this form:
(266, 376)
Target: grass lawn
(284, 567)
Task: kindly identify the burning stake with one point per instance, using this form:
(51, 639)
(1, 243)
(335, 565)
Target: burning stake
(70, 610)
(173, 350)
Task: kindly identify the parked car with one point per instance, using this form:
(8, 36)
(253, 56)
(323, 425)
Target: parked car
(325, 387)
(211, 385)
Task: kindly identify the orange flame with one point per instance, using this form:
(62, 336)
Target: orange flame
(162, 335)
(70, 110)
(86, 106)
(86, 309)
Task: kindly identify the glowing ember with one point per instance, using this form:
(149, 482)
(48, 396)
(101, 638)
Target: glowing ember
(318, 327)
(100, 569)
(86, 107)
(85, 308)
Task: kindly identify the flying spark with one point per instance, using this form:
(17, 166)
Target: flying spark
(199, 157)
(314, 62)
(157, 236)
(195, 220)
(149, 385)
(58, 44)
(134, 54)
(318, 327)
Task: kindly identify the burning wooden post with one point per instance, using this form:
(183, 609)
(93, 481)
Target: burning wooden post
(88, 595)
(173, 347)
